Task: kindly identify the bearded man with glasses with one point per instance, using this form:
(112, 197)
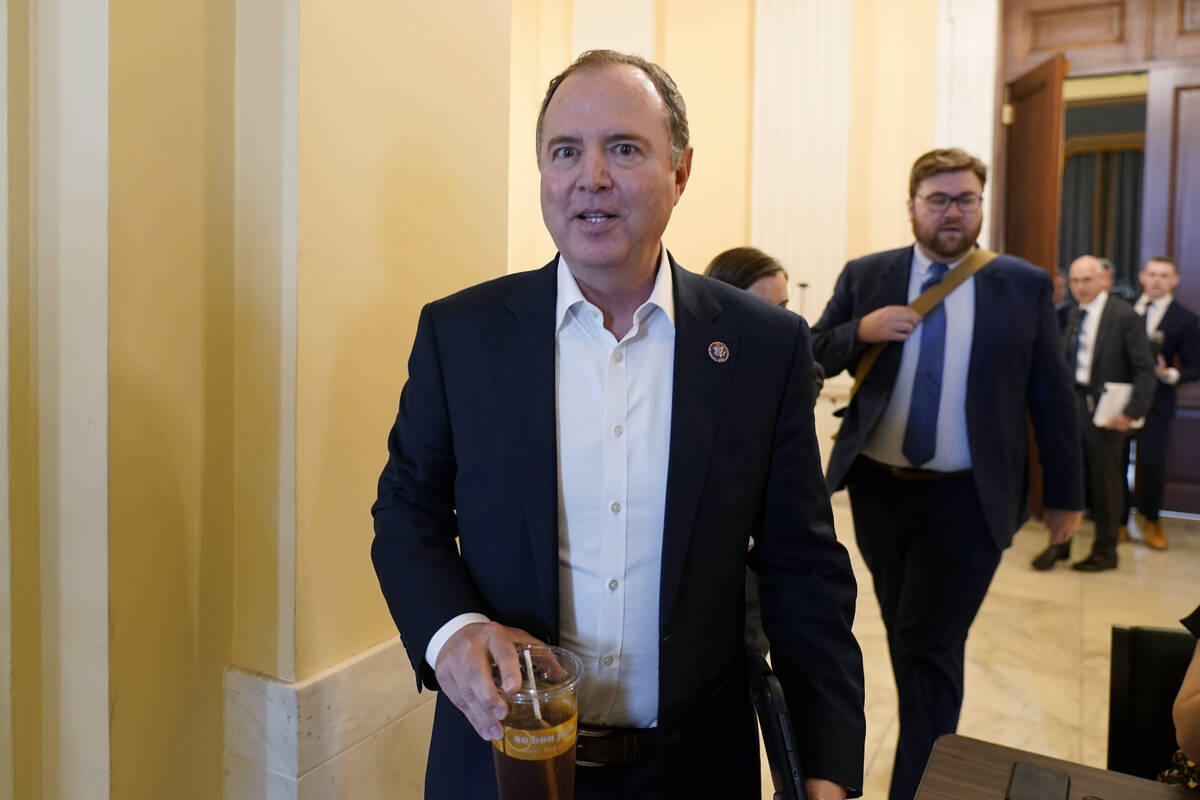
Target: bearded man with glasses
(933, 446)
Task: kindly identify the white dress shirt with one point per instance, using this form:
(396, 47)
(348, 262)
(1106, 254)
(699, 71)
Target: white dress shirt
(953, 450)
(1087, 338)
(614, 436)
(613, 403)
(1154, 311)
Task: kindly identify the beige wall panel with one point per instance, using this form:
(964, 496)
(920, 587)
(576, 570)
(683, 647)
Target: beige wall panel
(891, 118)
(403, 169)
(717, 84)
(541, 48)
(171, 404)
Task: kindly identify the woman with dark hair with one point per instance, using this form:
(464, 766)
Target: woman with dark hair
(753, 270)
(759, 274)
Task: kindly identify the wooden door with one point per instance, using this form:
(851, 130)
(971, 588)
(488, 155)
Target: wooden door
(1032, 186)
(1033, 164)
(1170, 210)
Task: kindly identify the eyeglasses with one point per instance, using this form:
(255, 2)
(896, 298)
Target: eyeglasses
(940, 202)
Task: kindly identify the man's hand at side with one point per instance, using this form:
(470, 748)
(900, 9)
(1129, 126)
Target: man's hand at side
(820, 789)
(464, 672)
(888, 324)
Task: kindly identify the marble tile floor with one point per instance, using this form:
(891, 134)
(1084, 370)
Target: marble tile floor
(1038, 654)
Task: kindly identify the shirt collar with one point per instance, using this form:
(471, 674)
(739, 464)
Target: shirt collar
(662, 296)
(1097, 304)
(923, 262)
(1144, 301)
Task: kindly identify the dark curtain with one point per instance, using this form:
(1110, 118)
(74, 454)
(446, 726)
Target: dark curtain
(1078, 210)
(1126, 234)
(1102, 213)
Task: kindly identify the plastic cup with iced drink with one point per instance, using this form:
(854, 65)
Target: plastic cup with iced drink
(535, 759)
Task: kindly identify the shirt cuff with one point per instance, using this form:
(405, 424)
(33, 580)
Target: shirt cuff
(445, 632)
(1172, 376)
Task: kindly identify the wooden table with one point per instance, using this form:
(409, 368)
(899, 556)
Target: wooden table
(968, 769)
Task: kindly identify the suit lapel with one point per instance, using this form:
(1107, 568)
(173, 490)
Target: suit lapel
(1103, 336)
(523, 364)
(894, 279)
(698, 395)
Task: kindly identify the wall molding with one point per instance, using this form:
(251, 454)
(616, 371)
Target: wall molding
(357, 728)
(69, 261)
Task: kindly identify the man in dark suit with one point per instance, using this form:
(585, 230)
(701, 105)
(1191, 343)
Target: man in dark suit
(603, 437)
(933, 446)
(1105, 344)
(1175, 341)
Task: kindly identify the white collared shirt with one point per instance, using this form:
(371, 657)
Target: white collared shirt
(1154, 311)
(953, 452)
(613, 409)
(614, 436)
(1087, 338)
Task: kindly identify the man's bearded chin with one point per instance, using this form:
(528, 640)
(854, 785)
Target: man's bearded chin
(952, 243)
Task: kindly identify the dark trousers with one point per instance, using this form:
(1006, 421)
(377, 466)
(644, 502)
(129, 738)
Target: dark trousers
(1152, 464)
(932, 560)
(634, 782)
(1106, 458)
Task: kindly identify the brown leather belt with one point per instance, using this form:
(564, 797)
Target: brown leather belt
(914, 475)
(604, 747)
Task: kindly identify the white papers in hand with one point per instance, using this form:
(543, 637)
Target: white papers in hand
(1112, 401)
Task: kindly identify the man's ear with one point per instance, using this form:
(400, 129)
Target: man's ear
(683, 172)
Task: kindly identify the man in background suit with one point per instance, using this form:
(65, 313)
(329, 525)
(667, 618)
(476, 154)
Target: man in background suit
(933, 447)
(1175, 341)
(581, 456)
(1105, 343)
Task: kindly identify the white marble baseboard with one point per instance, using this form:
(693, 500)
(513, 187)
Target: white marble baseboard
(350, 731)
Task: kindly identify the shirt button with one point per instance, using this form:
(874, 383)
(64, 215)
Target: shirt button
(618, 357)
(608, 660)
(594, 313)
(612, 585)
(618, 430)
(616, 508)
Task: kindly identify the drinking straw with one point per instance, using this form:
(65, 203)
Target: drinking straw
(537, 707)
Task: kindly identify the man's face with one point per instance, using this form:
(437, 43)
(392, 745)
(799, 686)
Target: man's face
(1158, 278)
(608, 187)
(1086, 278)
(948, 234)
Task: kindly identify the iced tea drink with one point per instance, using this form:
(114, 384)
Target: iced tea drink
(535, 760)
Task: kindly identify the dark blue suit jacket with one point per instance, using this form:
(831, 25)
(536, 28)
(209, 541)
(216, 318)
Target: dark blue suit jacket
(1180, 347)
(473, 456)
(1017, 372)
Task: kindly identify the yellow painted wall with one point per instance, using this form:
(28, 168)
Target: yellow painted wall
(541, 47)
(717, 82)
(403, 194)
(891, 117)
(170, 384)
(23, 425)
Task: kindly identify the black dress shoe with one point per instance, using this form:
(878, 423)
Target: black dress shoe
(1051, 556)
(1095, 563)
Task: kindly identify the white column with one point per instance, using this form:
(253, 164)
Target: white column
(625, 25)
(965, 81)
(69, 259)
(802, 68)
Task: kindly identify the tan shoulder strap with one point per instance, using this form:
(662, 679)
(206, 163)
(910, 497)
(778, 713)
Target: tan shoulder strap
(977, 260)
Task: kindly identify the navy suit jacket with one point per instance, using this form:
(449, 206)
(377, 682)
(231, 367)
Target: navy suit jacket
(1121, 354)
(1016, 372)
(1180, 347)
(473, 456)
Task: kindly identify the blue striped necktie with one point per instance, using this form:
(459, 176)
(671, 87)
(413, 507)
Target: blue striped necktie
(920, 434)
